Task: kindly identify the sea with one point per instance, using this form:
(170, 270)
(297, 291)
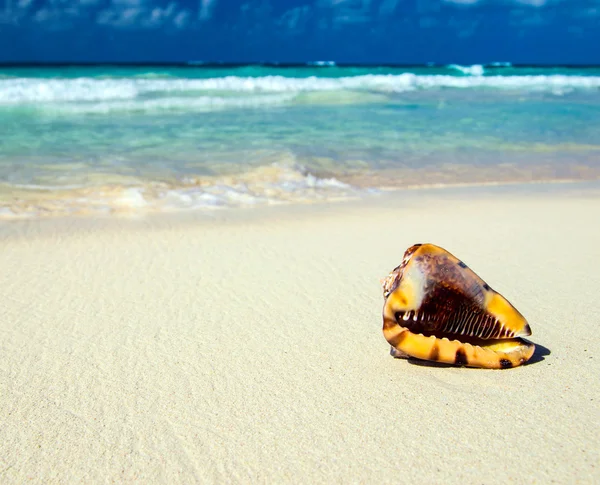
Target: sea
(104, 140)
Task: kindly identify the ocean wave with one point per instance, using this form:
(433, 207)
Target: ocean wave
(40, 91)
(32, 90)
(267, 185)
(321, 63)
(474, 70)
(201, 103)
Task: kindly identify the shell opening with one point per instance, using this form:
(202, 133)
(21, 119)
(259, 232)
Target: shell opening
(477, 325)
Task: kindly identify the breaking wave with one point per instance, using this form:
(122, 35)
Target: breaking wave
(267, 185)
(233, 91)
(474, 70)
(200, 103)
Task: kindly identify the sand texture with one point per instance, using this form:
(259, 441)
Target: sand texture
(247, 348)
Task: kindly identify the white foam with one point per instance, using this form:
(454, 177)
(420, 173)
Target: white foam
(474, 70)
(161, 93)
(267, 185)
(321, 63)
(279, 184)
(7, 213)
(201, 103)
(132, 198)
(30, 90)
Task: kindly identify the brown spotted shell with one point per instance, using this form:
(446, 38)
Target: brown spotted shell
(438, 309)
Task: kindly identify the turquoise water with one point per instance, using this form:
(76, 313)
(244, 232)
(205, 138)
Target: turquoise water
(112, 139)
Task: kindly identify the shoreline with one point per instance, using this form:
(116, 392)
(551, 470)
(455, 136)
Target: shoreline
(348, 194)
(246, 347)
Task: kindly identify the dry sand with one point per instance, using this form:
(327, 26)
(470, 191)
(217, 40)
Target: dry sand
(246, 347)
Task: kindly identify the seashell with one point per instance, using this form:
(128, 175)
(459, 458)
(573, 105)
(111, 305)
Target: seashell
(438, 309)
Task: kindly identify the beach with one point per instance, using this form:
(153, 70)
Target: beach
(245, 345)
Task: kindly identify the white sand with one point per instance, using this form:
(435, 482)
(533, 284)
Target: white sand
(218, 349)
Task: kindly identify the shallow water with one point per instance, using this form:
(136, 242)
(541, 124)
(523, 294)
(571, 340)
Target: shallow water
(113, 139)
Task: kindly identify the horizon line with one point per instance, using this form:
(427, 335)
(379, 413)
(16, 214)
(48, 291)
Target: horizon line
(317, 64)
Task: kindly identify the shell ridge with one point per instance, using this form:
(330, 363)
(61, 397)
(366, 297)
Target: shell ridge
(464, 323)
(472, 323)
(470, 320)
(480, 326)
(484, 327)
(491, 327)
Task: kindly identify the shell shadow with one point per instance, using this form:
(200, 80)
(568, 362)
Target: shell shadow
(539, 353)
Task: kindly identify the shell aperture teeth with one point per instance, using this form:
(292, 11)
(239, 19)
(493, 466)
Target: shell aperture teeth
(455, 317)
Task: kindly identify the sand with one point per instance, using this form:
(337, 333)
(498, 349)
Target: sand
(246, 346)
